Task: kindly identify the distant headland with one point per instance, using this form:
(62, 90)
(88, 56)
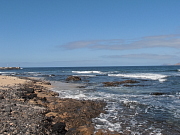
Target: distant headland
(177, 64)
(9, 68)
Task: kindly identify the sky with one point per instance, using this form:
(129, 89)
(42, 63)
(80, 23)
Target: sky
(72, 33)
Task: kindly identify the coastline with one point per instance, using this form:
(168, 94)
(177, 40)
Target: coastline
(28, 101)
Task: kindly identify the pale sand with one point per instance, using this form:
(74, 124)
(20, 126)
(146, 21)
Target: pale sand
(10, 81)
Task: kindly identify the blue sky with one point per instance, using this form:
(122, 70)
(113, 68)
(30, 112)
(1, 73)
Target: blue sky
(89, 32)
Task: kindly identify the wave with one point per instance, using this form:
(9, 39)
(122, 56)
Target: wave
(7, 72)
(150, 76)
(178, 70)
(88, 72)
(85, 75)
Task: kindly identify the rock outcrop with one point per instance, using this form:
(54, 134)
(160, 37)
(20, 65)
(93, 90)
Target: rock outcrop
(115, 84)
(73, 78)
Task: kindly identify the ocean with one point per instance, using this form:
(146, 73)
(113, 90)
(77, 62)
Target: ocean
(150, 107)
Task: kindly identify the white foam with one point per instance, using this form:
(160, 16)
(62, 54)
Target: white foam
(151, 76)
(179, 70)
(7, 72)
(87, 72)
(85, 75)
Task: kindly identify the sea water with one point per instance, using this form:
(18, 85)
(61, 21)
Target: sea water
(150, 107)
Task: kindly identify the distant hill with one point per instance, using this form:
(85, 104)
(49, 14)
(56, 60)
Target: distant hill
(177, 64)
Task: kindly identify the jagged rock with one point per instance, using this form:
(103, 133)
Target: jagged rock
(108, 84)
(73, 78)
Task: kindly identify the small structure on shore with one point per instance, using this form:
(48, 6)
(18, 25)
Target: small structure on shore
(9, 68)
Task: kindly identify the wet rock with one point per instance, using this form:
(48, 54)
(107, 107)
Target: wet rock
(157, 93)
(81, 87)
(115, 84)
(73, 78)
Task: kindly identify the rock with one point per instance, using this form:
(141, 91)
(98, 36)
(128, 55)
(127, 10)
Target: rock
(24, 90)
(29, 90)
(59, 128)
(47, 83)
(108, 84)
(1, 97)
(157, 93)
(73, 78)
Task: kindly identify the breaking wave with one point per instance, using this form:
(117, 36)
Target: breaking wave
(150, 76)
(88, 72)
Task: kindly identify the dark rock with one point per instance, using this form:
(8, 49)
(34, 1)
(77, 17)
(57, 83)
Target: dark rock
(47, 83)
(1, 97)
(29, 90)
(31, 96)
(157, 93)
(73, 78)
(81, 87)
(108, 84)
(59, 128)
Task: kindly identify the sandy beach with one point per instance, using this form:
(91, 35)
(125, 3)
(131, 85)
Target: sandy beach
(10, 81)
(28, 106)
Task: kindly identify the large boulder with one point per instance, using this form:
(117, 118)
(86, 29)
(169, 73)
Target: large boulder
(73, 78)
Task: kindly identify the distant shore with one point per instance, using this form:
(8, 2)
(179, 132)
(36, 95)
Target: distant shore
(9, 68)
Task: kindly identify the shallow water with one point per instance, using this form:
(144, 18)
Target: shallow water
(129, 109)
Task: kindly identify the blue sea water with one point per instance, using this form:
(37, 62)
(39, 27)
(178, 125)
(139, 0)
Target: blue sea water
(134, 110)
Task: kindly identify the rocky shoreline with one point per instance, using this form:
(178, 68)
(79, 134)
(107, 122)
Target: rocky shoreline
(32, 109)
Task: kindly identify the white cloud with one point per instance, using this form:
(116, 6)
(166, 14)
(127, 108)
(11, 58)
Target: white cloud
(172, 41)
(142, 56)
